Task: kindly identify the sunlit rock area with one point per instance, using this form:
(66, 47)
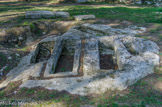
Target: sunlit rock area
(87, 59)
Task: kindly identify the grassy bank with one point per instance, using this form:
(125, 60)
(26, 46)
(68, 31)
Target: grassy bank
(14, 12)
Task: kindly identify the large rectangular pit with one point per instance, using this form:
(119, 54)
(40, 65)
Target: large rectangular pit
(65, 62)
(65, 59)
(43, 52)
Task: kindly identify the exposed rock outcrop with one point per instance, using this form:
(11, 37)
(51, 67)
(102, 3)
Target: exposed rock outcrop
(135, 58)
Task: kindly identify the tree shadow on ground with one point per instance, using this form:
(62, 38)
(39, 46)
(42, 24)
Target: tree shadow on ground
(14, 8)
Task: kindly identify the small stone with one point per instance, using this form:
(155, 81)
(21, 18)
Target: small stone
(44, 33)
(158, 12)
(158, 4)
(9, 58)
(17, 55)
(45, 14)
(39, 14)
(3, 69)
(139, 2)
(147, 2)
(84, 17)
(62, 14)
(16, 46)
(20, 38)
(3, 32)
(81, 1)
(87, 106)
(15, 92)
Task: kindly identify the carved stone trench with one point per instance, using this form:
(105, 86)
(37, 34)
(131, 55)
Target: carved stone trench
(90, 58)
(49, 53)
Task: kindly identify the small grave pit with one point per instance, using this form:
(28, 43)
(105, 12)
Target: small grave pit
(107, 58)
(65, 62)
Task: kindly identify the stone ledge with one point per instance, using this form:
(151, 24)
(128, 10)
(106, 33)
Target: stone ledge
(84, 17)
(46, 14)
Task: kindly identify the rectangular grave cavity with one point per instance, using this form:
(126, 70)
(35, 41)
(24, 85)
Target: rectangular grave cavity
(107, 59)
(65, 61)
(43, 52)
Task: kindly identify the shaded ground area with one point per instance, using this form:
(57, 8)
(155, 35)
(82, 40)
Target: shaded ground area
(146, 92)
(13, 13)
(65, 63)
(8, 60)
(106, 62)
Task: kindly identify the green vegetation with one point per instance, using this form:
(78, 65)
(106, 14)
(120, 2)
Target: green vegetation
(2, 93)
(120, 13)
(3, 60)
(24, 49)
(160, 36)
(32, 27)
(138, 95)
(144, 37)
(62, 69)
(158, 70)
(26, 23)
(131, 13)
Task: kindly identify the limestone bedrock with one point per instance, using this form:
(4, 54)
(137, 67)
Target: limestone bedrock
(84, 17)
(135, 57)
(45, 14)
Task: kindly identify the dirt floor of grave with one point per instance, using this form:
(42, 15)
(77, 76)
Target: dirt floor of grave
(65, 63)
(146, 92)
(106, 62)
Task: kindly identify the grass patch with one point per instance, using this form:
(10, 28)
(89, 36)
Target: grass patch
(2, 93)
(3, 60)
(24, 49)
(140, 15)
(144, 37)
(135, 96)
(158, 70)
(160, 36)
(130, 13)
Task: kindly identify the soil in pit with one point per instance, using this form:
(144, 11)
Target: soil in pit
(107, 63)
(43, 54)
(65, 62)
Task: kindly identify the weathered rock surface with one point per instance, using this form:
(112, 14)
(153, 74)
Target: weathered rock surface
(84, 17)
(91, 57)
(135, 57)
(45, 14)
(158, 4)
(81, 1)
(62, 14)
(100, 29)
(39, 14)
